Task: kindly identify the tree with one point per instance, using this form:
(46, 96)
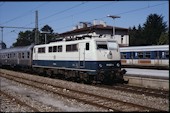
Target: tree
(164, 39)
(150, 33)
(50, 35)
(47, 28)
(28, 37)
(153, 28)
(136, 37)
(24, 38)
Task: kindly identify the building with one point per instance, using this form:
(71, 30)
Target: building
(99, 29)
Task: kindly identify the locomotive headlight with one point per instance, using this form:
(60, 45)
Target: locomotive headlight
(118, 65)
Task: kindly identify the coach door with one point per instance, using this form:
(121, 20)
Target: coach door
(19, 58)
(158, 58)
(81, 55)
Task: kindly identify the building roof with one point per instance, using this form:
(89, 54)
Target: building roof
(91, 28)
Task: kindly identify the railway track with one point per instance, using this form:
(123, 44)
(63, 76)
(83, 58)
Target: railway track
(143, 90)
(13, 102)
(139, 90)
(89, 98)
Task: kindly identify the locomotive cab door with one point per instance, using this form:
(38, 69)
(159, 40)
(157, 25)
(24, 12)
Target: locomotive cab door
(81, 55)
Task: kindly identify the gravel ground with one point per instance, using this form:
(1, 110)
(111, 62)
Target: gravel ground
(42, 100)
(159, 103)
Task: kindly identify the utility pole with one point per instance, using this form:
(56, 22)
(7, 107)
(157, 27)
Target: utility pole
(2, 27)
(113, 17)
(36, 28)
(2, 34)
(45, 32)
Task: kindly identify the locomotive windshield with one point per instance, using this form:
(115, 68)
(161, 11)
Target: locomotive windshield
(111, 45)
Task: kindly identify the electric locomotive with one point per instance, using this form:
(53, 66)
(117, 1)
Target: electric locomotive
(86, 58)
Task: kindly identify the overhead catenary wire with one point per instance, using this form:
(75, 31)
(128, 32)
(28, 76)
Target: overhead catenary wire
(24, 14)
(82, 3)
(79, 13)
(130, 11)
(118, 14)
(57, 12)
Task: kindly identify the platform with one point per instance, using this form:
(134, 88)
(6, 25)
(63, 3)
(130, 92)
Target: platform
(157, 79)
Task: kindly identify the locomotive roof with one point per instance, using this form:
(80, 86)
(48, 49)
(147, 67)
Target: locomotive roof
(16, 49)
(76, 41)
(145, 48)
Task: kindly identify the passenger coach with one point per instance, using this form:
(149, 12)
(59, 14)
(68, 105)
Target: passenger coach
(145, 56)
(17, 57)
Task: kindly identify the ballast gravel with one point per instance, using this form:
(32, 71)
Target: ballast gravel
(51, 102)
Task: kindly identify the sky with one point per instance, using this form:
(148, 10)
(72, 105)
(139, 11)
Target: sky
(63, 16)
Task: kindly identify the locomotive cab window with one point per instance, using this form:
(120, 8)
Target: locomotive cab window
(112, 45)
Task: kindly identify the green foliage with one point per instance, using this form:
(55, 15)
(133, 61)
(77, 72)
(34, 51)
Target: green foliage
(24, 38)
(164, 39)
(28, 37)
(150, 33)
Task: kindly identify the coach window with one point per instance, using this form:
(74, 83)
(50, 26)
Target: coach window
(22, 55)
(19, 55)
(140, 55)
(156, 54)
(147, 55)
(59, 48)
(167, 54)
(131, 55)
(28, 54)
(87, 46)
(123, 55)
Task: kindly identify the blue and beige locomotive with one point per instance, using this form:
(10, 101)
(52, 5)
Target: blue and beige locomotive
(86, 58)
